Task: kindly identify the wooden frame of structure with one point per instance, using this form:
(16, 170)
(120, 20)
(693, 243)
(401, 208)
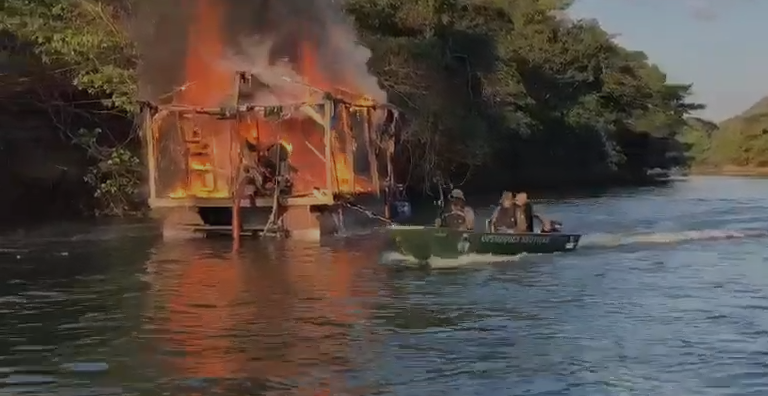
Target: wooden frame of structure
(333, 114)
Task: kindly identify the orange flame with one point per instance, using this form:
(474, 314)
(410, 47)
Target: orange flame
(287, 145)
(209, 85)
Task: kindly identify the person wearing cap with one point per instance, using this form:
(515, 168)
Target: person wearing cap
(503, 218)
(458, 215)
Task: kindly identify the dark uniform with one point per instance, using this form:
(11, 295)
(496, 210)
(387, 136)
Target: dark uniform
(523, 217)
(455, 220)
(458, 216)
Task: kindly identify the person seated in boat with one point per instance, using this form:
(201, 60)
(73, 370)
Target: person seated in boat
(503, 218)
(458, 215)
(524, 215)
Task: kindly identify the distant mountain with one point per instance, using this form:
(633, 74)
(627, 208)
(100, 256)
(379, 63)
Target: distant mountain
(756, 111)
(740, 141)
(760, 107)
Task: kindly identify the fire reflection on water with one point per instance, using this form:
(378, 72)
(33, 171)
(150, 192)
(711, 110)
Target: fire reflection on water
(283, 318)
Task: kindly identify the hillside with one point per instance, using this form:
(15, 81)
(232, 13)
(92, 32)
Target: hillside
(740, 141)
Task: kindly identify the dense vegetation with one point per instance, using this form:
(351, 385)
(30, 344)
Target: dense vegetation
(512, 88)
(738, 142)
(510, 91)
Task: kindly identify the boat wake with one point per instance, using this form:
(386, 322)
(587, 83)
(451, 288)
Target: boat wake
(616, 240)
(398, 260)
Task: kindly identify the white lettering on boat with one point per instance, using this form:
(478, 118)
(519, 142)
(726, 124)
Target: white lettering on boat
(508, 239)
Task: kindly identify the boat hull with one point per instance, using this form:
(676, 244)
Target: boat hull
(424, 243)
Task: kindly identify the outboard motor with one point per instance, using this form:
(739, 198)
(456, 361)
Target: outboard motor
(402, 210)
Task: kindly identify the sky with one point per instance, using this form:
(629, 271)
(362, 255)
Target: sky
(721, 46)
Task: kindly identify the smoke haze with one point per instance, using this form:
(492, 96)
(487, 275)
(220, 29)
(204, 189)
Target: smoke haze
(286, 44)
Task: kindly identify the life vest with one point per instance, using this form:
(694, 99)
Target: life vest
(505, 218)
(455, 220)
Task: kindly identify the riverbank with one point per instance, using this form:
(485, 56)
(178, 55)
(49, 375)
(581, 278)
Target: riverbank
(730, 170)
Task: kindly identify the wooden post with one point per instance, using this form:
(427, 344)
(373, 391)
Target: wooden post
(236, 222)
(374, 165)
(185, 130)
(149, 136)
(349, 141)
(237, 193)
(391, 188)
(236, 183)
(237, 179)
(328, 145)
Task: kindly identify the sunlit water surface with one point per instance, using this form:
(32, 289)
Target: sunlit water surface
(667, 296)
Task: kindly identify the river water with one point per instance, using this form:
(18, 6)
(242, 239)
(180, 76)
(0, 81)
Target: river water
(667, 296)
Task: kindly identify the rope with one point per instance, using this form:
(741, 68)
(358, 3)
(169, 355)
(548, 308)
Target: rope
(367, 212)
(273, 216)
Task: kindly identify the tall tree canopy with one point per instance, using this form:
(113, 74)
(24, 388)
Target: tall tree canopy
(513, 87)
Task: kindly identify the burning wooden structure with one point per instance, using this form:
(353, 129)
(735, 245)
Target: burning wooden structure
(268, 169)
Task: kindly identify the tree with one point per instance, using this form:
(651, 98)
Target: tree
(85, 44)
(513, 86)
(507, 92)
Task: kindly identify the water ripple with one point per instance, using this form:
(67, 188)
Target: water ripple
(668, 297)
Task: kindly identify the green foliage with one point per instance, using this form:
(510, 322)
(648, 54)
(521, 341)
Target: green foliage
(510, 86)
(741, 141)
(509, 89)
(83, 39)
(696, 137)
(115, 176)
(84, 42)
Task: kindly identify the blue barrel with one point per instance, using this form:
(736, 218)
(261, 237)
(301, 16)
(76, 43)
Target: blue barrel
(401, 210)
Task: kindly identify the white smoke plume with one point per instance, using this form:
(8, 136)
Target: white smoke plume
(263, 37)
